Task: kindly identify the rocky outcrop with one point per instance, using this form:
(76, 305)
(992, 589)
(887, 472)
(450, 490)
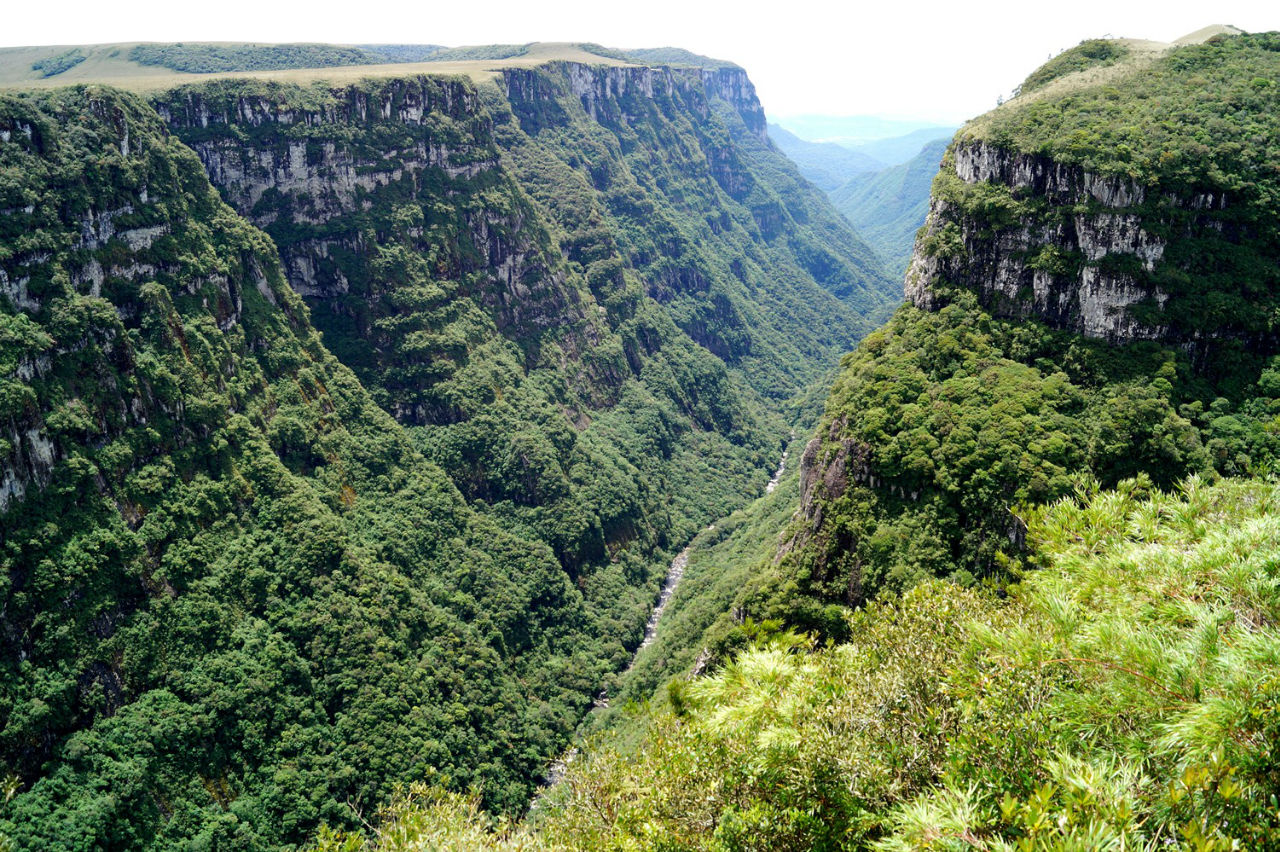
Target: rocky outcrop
(1079, 254)
(610, 93)
(830, 464)
(307, 176)
(105, 247)
(376, 190)
(734, 87)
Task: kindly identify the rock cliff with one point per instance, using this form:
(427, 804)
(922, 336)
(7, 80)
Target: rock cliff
(1040, 239)
(92, 263)
(360, 184)
(1095, 292)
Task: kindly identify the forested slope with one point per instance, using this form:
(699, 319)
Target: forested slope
(236, 595)
(1029, 599)
(591, 287)
(1093, 293)
(889, 206)
(240, 599)
(1124, 695)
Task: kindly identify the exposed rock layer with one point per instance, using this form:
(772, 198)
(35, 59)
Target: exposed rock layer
(1079, 255)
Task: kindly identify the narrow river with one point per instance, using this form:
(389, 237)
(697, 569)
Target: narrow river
(782, 468)
(675, 573)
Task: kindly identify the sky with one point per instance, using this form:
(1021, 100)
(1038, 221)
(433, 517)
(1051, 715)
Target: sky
(934, 61)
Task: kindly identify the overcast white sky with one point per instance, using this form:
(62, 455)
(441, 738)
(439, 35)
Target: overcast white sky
(924, 60)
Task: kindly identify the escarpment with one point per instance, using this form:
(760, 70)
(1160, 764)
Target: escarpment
(1093, 296)
(604, 90)
(398, 209)
(393, 217)
(718, 226)
(103, 268)
(1121, 211)
(1040, 239)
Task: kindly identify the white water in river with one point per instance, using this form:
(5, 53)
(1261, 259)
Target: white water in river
(675, 573)
(782, 468)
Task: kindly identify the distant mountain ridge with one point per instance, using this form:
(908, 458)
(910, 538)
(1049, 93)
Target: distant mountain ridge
(896, 150)
(157, 64)
(889, 206)
(881, 186)
(854, 130)
(825, 164)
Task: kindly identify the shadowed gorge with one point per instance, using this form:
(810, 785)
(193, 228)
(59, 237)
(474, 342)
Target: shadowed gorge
(508, 448)
(243, 601)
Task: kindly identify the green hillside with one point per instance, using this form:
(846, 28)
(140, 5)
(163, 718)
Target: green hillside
(1029, 598)
(351, 415)
(1124, 695)
(268, 555)
(232, 578)
(888, 207)
(991, 398)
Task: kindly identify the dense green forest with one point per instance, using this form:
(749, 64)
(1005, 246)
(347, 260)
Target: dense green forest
(1029, 598)
(347, 431)
(241, 600)
(1124, 695)
(625, 388)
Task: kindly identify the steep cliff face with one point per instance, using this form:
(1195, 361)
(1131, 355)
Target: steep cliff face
(1040, 239)
(375, 193)
(66, 263)
(1094, 294)
(604, 90)
(1121, 209)
(718, 226)
(335, 176)
(229, 583)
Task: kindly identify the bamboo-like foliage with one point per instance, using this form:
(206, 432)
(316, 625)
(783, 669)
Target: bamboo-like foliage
(1123, 697)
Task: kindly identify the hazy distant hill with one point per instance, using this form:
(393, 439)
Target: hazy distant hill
(896, 150)
(826, 164)
(881, 186)
(889, 206)
(852, 130)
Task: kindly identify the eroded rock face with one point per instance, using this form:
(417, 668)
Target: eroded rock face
(605, 89)
(1081, 264)
(104, 252)
(307, 176)
(378, 192)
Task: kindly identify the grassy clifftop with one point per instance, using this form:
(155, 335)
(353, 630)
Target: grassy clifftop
(149, 66)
